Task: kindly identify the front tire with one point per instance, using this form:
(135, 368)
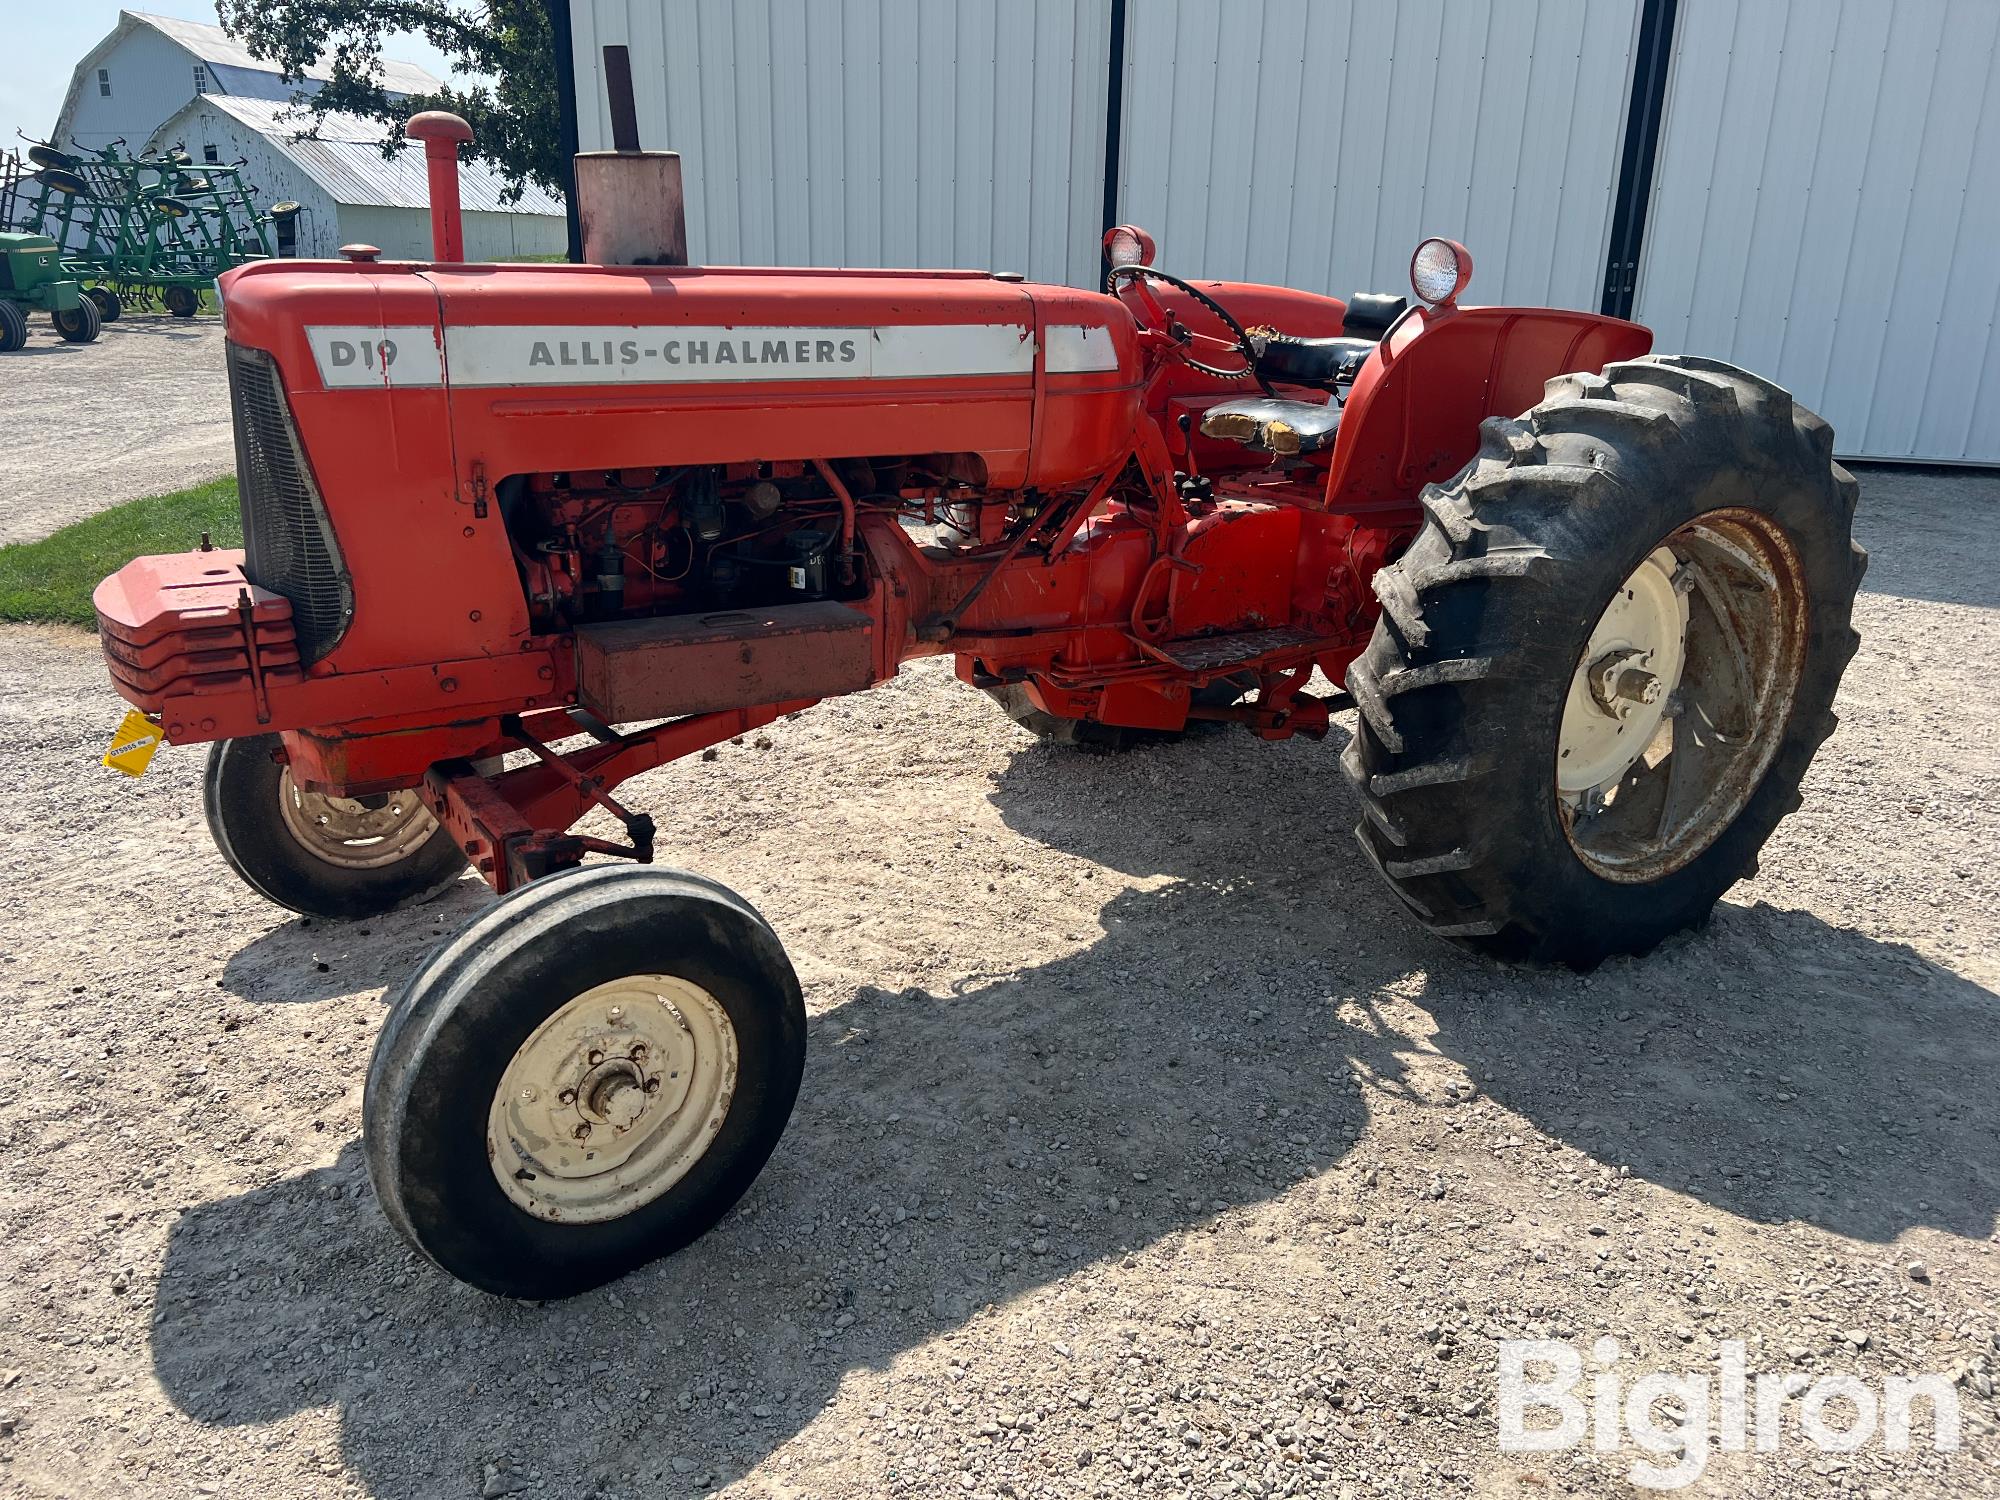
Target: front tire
(1514, 645)
(337, 857)
(13, 326)
(80, 324)
(586, 1077)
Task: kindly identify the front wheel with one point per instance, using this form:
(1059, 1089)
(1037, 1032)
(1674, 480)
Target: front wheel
(13, 326)
(586, 1077)
(79, 324)
(339, 857)
(1605, 664)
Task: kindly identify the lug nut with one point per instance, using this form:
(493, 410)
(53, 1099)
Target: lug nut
(638, 1053)
(596, 1057)
(583, 1132)
(567, 1096)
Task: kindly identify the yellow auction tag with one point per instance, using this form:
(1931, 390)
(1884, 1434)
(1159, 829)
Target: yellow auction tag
(133, 744)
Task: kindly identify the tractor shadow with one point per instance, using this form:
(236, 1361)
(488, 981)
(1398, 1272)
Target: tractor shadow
(953, 1151)
(307, 959)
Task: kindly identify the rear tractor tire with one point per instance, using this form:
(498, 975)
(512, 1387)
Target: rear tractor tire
(587, 1076)
(80, 324)
(343, 858)
(1109, 739)
(1605, 664)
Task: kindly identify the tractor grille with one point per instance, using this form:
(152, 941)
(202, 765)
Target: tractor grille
(288, 541)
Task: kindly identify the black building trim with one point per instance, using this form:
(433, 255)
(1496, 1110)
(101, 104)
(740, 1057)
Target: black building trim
(1114, 113)
(565, 56)
(1642, 146)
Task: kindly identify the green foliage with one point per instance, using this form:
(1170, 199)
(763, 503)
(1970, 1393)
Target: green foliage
(52, 579)
(505, 45)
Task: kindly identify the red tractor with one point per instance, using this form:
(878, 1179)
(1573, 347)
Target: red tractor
(516, 533)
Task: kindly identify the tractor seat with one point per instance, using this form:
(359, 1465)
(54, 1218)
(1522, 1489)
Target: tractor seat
(1321, 362)
(1273, 426)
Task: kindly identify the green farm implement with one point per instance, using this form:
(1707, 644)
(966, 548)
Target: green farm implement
(146, 230)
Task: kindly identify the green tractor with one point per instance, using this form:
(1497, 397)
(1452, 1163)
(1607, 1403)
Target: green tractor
(32, 276)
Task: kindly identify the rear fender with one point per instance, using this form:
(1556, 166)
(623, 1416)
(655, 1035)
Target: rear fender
(1413, 416)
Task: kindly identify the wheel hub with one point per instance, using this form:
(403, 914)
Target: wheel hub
(612, 1099)
(355, 833)
(1622, 687)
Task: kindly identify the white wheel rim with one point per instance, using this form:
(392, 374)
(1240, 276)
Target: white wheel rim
(1641, 637)
(1682, 696)
(613, 1099)
(349, 832)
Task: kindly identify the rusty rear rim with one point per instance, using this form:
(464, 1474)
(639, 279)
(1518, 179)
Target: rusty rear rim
(613, 1099)
(1681, 696)
(355, 833)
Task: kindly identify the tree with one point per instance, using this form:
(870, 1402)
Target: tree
(514, 107)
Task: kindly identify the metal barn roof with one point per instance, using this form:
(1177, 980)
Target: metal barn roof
(346, 159)
(213, 44)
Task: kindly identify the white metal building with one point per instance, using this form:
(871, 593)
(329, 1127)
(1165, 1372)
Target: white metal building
(149, 66)
(1804, 186)
(347, 192)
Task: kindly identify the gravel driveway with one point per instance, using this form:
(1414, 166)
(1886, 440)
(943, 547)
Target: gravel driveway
(1145, 1148)
(142, 411)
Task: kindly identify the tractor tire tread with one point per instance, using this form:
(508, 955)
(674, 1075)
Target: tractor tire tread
(1474, 609)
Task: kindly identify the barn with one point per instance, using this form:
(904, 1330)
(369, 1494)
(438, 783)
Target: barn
(148, 66)
(347, 192)
(1801, 186)
(157, 82)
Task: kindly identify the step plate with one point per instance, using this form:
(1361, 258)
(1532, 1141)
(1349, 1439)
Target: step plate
(1212, 653)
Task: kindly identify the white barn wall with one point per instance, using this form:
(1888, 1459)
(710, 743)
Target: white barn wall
(1825, 209)
(151, 78)
(1313, 143)
(405, 233)
(274, 176)
(871, 133)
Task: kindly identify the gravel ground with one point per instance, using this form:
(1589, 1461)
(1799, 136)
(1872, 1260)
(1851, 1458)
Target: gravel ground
(142, 411)
(1144, 1147)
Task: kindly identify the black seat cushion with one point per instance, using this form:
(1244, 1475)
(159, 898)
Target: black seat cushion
(1320, 362)
(1281, 427)
(1370, 313)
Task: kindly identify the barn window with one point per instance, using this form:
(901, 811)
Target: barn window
(210, 155)
(104, 83)
(200, 79)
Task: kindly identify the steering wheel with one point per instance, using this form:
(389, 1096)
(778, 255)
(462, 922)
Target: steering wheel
(1162, 320)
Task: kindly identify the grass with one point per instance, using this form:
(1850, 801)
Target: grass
(51, 579)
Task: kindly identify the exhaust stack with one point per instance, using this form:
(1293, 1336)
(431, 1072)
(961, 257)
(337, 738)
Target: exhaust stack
(442, 134)
(629, 202)
(631, 208)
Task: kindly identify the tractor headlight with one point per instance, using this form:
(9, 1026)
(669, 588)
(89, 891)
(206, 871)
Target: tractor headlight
(1128, 245)
(1439, 271)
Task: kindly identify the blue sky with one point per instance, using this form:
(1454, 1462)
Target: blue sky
(45, 41)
